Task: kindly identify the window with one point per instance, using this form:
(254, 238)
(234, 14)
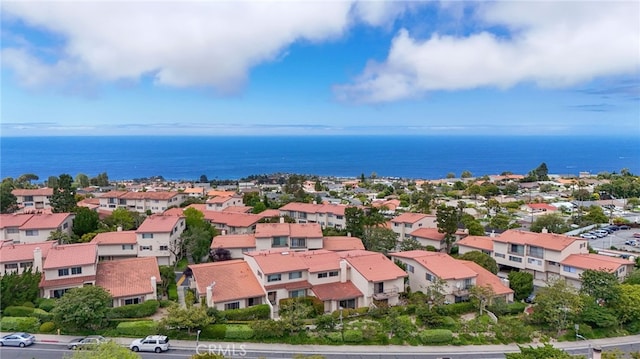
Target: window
(323, 275)
(63, 272)
(57, 293)
(428, 277)
(498, 255)
(26, 264)
(164, 248)
(76, 270)
(339, 217)
(132, 301)
(407, 225)
(348, 303)
(295, 275)
(333, 274)
(65, 225)
(468, 283)
(274, 277)
(298, 242)
(537, 252)
(515, 259)
(378, 287)
(11, 266)
(516, 248)
(127, 247)
(272, 297)
(534, 261)
(297, 293)
(32, 232)
(254, 301)
(569, 269)
(147, 235)
(410, 268)
(28, 198)
(279, 242)
(621, 270)
(146, 248)
(12, 230)
(234, 305)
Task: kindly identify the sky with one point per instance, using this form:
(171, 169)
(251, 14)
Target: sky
(333, 67)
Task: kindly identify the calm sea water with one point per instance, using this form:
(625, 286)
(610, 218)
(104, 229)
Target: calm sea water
(349, 156)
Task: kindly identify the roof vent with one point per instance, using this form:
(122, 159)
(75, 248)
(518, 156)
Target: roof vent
(285, 253)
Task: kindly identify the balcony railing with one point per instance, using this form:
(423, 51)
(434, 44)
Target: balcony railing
(392, 292)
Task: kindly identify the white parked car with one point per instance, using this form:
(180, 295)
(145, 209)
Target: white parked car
(152, 343)
(588, 236)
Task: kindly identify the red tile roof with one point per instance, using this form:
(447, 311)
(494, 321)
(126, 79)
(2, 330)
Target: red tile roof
(128, 277)
(542, 206)
(158, 224)
(119, 237)
(13, 219)
(219, 199)
(10, 252)
(294, 230)
(33, 192)
(273, 262)
(269, 213)
(477, 242)
(428, 233)
(238, 209)
(68, 281)
(234, 241)
(175, 211)
(231, 219)
(595, 262)
(342, 243)
(213, 193)
(441, 264)
(302, 284)
(320, 260)
(486, 278)
(336, 291)
(233, 280)
(46, 221)
(149, 195)
(336, 209)
(408, 217)
(113, 194)
(373, 266)
(556, 242)
(70, 255)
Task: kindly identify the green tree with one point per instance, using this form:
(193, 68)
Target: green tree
(544, 352)
(63, 199)
(354, 221)
(197, 241)
(628, 305)
(600, 285)
(101, 180)
(595, 215)
(482, 295)
(123, 218)
(557, 305)
(411, 244)
(553, 222)
(474, 227)
(521, 283)
(447, 220)
(633, 277)
(61, 237)
(108, 350)
(379, 239)
(294, 312)
(86, 221)
(8, 202)
(482, 259)
(466, 174)
(83, 308)
(194, 317)
(82, 180)
(168, 277)
(501, 221)
(52, 181)
(24, 181)
(17, 289)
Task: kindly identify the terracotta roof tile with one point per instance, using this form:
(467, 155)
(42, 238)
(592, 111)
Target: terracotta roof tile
(294, 230)
(234, 241)
(33, 192)
(336, 209)
(269, 213)
(175, 211)
(13, 220)
(556, 242)
(158, 224)
(442, 265)
(113, 194)
(69, 255)
(70, 281)
(542, 206)
(319, 260)
(342, 243)
(149, 195)
(373, 266)
(119, 237)
(46, 221)
(303, 284)
(428, 233)
(408, 217)
(486, 278)
(238, 209)
(595, 262)
(128, 277)
(231, 219)
(10, 252)
(233, 280)
(273, 262)
(336, 291)
(214, 193)
(477, 242)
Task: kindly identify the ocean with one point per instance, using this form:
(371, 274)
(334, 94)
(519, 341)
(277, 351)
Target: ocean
(414, 157)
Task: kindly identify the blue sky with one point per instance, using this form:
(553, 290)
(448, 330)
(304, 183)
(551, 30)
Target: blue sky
(320, 68)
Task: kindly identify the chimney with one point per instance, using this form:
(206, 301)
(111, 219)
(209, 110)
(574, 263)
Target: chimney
(544, 230)
(154, 284)
(343, 271)
(119, 229)
(493, 234)
(210, 294)
(348, 234)
(37, 259)
(281, 219)
(223, 232)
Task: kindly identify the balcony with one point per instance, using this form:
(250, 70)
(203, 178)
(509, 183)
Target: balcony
(386, 294)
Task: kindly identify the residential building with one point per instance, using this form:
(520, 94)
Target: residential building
(39, 227)
(227, 285)
(16, 258)
(294, 236)
(232, 222)
(129, 281)
(499, 286)
(158, 236)
(67, 266)
(236, 244)
(342, 243)
(537, 253)
(475, 243)
(142, 202)
(116, 245)
(404, 224)
(575, 264)
(429, 237)
(196, 192)
(10, 225)
(33, 200)
(220, 203)
(326, 215)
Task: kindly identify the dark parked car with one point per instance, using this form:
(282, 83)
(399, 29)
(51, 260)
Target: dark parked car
(531, 298)
(625, 227)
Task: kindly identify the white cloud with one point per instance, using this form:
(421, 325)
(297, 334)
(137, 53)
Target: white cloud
(196, 43)
(551, 44)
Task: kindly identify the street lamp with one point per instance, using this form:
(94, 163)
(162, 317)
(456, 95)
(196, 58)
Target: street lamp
(198, 338)
(341, 326)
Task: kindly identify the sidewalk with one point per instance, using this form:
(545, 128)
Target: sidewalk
(388, 349)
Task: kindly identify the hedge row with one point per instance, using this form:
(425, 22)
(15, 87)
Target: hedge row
(214, 331)
(19, 324)
(507, 309)
(436, 336)
(353, 336)
(140, 328)
(238, 331)
(47, 304)
(47, 327)
(24, 311)
(255, 312)
(456, 308)
(317, 304)
(142, 310)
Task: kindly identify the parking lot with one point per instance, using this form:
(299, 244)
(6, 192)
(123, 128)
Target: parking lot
(617, 239)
